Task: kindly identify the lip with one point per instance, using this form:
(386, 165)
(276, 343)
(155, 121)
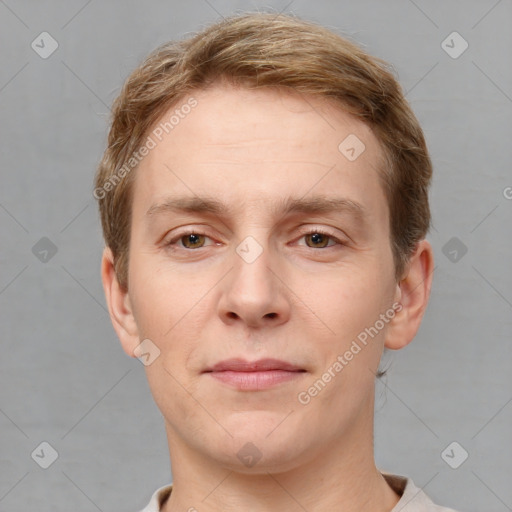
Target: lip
(255, 375)
(240, 365)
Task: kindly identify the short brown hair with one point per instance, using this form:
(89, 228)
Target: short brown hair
(264, 50)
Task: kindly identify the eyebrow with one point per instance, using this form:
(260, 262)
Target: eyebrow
(287, 206)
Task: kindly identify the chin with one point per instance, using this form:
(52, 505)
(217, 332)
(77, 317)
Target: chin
(254, 458)
(260, 446)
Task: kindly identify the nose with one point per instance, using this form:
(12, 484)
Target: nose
(254, 293)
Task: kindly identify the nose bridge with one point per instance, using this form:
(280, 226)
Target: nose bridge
(253, 226)
(253, 293)
(251, 270)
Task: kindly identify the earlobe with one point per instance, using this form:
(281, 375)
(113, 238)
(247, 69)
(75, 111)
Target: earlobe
(119, 305)
(414, 292)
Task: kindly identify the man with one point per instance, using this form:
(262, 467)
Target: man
(264, 202)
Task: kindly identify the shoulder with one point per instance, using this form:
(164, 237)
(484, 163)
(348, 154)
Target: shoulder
(158, 498)
(413, 499)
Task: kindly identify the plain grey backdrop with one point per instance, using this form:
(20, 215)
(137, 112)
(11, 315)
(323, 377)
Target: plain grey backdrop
(64, 379)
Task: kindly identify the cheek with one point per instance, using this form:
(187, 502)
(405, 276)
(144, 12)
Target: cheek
(162, 297)
(172, 309)
(350, 350)
(343, 303)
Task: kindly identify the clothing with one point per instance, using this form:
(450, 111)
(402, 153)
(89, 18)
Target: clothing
(413, 499)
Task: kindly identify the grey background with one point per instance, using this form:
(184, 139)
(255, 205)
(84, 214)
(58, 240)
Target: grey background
(63, 376)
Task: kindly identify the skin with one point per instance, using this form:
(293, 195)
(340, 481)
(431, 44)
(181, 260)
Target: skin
(303, 300)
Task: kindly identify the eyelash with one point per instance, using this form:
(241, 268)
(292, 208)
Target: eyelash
(318, 231)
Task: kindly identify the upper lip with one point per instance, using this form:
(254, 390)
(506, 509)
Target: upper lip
(240, 365)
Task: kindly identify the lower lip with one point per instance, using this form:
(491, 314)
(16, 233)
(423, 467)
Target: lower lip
(255, 381)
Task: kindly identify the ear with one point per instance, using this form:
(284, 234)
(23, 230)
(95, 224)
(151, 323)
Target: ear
(119, 307)
(413, 292)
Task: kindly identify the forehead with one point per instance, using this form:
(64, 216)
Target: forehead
(253, 147)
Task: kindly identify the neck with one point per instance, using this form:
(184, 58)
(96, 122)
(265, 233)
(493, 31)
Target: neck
(341, 476)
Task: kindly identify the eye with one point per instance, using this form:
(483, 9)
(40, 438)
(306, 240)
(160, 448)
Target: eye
(315, 239)
(189, 240)
(320, 239)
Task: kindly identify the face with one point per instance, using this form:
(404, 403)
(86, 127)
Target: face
(255, 236)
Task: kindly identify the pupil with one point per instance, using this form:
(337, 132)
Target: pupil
(192, 239)
(319, 239)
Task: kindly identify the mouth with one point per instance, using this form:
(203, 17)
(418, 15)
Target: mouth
(255, 375)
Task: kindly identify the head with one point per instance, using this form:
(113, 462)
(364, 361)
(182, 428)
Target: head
(264, 194)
